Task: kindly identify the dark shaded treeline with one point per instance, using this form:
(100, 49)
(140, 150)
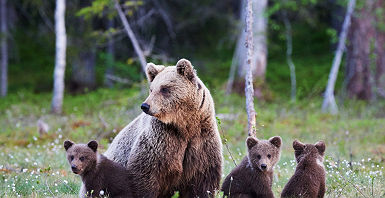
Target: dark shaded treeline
(205, 31)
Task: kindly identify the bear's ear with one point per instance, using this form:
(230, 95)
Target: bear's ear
(152, 70)
(68, 144)
(251, 142)
(276, 141)
(297, 145)
(320, 145)
(185, 68)
(93, 145)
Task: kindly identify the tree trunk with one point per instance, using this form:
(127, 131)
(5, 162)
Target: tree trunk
(259, 37)
(4, 49)
(60, 57)
(132, 37)
(249, 90)
(329, 103)
(289, 60)
(380, 50)
(358, 54)
(259, 31)
(83, 75)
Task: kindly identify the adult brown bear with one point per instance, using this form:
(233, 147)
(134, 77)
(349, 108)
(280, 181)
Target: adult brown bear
(175, 144)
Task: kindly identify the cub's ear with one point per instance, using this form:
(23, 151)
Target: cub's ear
(93, 145)
(68, 144)
(320, 145)
(251, 142)
(297, 145)
(276, 141)
(185, 68)
(152, 70)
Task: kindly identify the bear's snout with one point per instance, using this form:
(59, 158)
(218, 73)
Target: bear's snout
(74, 169)
(145, 107)
(263, 166)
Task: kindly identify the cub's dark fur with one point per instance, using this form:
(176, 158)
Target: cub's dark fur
(254, 176)
(309, 177)
(97, 172)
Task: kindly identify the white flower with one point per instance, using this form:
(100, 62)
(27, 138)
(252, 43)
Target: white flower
(101, 192)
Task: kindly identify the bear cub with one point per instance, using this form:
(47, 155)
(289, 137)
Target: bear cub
(309, 176)
(100, 175)
(253, 177)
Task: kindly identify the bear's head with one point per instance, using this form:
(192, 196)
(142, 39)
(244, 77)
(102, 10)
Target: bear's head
(316, 151)
(264, 154)
(175, 91)
(81, 157)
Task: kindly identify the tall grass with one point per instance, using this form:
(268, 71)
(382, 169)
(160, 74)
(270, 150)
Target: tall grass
(33, 164)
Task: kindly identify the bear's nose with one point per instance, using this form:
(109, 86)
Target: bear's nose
(145, 107)
(74, 168)
(263, 166)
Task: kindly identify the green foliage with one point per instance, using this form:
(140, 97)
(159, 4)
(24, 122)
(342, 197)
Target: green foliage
(332, 33)
(32, 61)
(96, 8)
(99, 8)
(129, 70)
(380, 15)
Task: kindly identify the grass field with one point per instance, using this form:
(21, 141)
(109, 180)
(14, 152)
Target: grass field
(33, 164)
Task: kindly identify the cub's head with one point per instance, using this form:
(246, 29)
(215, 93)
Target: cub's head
(316, 150)
(174, 91)
(264, 154)
(81, 157)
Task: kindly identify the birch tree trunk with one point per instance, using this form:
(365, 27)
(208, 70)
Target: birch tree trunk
(259, 31)
(289, 51)
(4, 49)
(249, 90)
(258, 66)
(131, 35)
(329, 103)
(60, 57)
(259, 39)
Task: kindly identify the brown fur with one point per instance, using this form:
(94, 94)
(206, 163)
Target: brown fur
(175, 145)
(97, 172)
(309, 177)
(249, 179)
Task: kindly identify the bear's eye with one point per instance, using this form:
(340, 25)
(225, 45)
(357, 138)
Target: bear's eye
(82, 158)
(268, 156)
(72, 157)
(259, 156)
(164, 90)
